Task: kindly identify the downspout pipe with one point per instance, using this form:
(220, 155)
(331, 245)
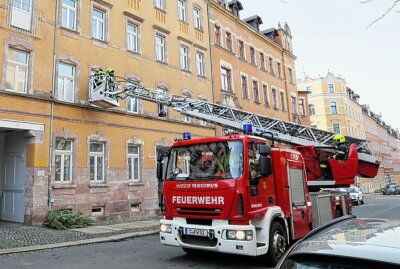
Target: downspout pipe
(53, 83)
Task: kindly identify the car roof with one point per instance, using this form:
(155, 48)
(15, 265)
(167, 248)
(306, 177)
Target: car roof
(369, 239)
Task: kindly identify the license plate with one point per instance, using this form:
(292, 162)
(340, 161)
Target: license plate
(195, 232)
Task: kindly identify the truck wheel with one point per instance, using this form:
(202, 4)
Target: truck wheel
(277, 243)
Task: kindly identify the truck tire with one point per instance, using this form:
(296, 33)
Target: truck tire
(277, 243)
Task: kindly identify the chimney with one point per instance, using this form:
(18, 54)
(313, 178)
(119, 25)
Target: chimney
(235, 7)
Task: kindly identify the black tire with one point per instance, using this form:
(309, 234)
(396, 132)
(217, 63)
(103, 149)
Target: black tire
(277, 243)
(338, 213)
(362, 201)
(192, 251)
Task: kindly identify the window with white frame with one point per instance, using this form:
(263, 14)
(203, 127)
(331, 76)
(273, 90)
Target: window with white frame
(159, 4)
(182, 10)
(229, 41)
(241, 49)
(17, 71)
(256, 92)
(331, 89)
(283, 103)
(133, 163)
(262, 61)
(200, 64)
(266, 95)
(132, 37)
(69, 10)
(184, 55)
(162, 109)
(291, 78)
(226, 80)
(336, 127)
(96, 158)
(302, 110)
(21, 14)
(333, 107)
(279, 70)
(98, 24)
(252, 56)
(132, 105)
(160, 48)
(274, 98)
(63, 160)
(66, 83)
(217, 32)
(271, 66)
(245, 88)
(197, 18)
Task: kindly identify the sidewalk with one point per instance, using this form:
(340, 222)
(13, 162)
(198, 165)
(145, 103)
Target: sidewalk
(15, 237)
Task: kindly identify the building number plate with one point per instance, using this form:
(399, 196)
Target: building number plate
(195, 232)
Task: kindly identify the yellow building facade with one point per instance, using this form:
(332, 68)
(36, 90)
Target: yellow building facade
(61, 152)
(333, 106)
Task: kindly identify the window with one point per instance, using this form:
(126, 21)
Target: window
(271, 66)
(283, 104)
(160, 48)
(159, 4)
(279, 70)
(17, 71)
(182, 10)
(336, 127)
(66, 82)
(132, 37)
(21, 14)
(255, 91)
(262, 61)
(241, 49)
(290, 75)
(184, 55)
(302, 110)
(229, 41)
(274, 98)
(226, 79)
(63, 160)
(133, 162)
(98, 24)
(96, 156)
(132, 105)
(266, 95)
(217, 35)
(312, 109)
(294, 104)
(331, 89)
(197, 18)
(200, 64)
(162, 109)
(245, 90)
(333, 107)
(252, 56)
(68, 19)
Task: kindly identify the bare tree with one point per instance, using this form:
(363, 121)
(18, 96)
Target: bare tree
(390, 9)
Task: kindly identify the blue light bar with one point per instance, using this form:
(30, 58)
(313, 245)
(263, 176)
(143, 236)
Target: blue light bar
(187, 136)
(247, 128)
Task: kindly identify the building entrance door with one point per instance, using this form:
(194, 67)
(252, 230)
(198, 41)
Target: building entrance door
(12, 181)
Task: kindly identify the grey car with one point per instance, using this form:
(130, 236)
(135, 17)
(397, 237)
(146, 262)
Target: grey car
(347, 243)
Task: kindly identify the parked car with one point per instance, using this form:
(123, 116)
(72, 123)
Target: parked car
(356, 195)
(347, 243)
(389, 191)
(397, 189)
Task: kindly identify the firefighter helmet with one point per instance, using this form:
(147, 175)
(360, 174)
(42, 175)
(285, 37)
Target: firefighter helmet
(339, 139)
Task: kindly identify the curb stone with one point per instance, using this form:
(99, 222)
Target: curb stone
(113, 238)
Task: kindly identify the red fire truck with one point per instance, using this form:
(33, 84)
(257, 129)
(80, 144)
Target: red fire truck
(239, 193)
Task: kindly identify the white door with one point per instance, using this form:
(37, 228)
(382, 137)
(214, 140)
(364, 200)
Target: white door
(12, 179)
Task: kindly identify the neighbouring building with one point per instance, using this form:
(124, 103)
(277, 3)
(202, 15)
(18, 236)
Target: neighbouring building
(254, 69)
(57, 150)
(333, 106)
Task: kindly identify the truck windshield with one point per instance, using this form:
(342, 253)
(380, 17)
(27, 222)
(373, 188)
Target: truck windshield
(211, 161)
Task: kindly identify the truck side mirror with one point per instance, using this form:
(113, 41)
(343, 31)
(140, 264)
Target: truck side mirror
(160, 171)
(264, 149)
(265, 166)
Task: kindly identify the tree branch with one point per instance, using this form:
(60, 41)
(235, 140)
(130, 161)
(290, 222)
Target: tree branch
(384, 14)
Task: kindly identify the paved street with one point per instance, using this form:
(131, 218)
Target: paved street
(146, 252)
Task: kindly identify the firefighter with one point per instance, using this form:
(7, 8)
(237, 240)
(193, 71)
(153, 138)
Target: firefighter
(109, 75)
(341, 147)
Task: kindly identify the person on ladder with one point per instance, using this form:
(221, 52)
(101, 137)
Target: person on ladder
(341, 147)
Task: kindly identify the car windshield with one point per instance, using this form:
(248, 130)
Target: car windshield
(210, 161)
(351, 190)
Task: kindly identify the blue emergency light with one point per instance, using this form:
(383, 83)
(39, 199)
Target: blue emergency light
(247, 128)
(187, 136)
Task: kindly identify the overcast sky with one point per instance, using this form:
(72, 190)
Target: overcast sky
(332, 34)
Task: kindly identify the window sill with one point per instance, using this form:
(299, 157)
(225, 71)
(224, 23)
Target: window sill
(201, 30)
(160, 10)
(99, 42)
(137, 183)
(257, 102)
(59, 185)
(201, 76)
(161, 62)
(98, 185)
(68, 30)
(243, 59)
(186, 71)
(184, 22)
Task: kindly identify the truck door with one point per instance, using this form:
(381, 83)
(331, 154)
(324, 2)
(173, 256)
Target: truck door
(258, 185)
(299, 209)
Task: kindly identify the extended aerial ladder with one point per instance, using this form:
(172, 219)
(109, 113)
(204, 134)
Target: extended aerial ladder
(105, 93)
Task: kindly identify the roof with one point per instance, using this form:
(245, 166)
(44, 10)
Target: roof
(368, 239)
(252, 18)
